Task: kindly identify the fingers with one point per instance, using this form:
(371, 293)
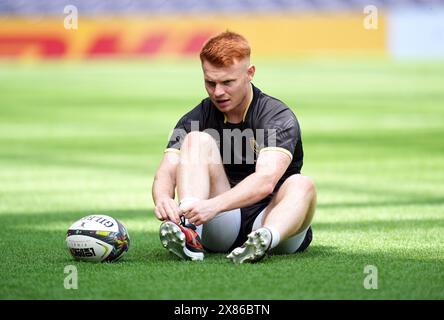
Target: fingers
(188, 214)
(193, 213)
(173, 211)
(194, 220)
(163, 213)
(159, 214)
(186, 207)
(193, 217)
(167, 210)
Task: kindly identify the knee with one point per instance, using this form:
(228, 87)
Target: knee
(198, 138)
(302, 184)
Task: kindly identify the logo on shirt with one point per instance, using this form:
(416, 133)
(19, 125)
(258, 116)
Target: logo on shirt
(254, 146)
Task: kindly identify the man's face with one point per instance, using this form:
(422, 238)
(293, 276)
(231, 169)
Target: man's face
(228, 87)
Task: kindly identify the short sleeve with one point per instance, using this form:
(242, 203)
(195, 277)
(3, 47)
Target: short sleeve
(281, 131)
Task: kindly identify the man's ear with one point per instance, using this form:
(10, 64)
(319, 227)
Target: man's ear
(251, 71)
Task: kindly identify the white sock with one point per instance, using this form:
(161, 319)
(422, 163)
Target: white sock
(188, 200)
(275, 237)
(199, 230)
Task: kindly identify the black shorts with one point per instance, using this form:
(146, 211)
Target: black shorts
(249, 215)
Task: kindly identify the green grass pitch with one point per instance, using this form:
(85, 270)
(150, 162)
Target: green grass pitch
(83, 138)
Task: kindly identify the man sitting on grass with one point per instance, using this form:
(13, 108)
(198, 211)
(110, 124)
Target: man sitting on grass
(235, 160)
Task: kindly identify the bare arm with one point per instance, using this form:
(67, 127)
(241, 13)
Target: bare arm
(270, 167)
(163, 189)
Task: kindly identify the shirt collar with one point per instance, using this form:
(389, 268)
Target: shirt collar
(246, 109)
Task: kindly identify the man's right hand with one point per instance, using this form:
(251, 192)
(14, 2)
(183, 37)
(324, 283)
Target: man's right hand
(167, 209)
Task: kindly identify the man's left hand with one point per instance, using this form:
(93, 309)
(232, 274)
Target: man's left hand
(199, 212)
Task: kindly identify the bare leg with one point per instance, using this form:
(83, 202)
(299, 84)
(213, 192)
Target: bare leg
(201, 175)
(200, 172)
(293, 207)
(289, 213)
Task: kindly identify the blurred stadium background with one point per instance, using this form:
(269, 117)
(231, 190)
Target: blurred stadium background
(148, 29)
(86, 109)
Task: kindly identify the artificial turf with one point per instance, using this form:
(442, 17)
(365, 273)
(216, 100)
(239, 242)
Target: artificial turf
(82, 138)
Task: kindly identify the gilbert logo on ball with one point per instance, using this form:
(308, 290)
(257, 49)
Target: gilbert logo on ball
(97, 238)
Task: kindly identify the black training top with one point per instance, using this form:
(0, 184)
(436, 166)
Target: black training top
(268, 124)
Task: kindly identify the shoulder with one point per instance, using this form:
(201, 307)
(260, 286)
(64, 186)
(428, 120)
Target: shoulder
(269, 103)
(270, 110)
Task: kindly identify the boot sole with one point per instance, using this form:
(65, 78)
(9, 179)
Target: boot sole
(173, 239)
(253, 250)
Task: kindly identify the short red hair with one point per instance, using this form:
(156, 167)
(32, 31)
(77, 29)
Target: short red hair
(223, 49)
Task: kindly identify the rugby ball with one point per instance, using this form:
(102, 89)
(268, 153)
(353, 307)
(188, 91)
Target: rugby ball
(97, 238)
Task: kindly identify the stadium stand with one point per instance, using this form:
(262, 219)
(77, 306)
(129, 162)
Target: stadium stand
(41, 29)
(147, 7)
